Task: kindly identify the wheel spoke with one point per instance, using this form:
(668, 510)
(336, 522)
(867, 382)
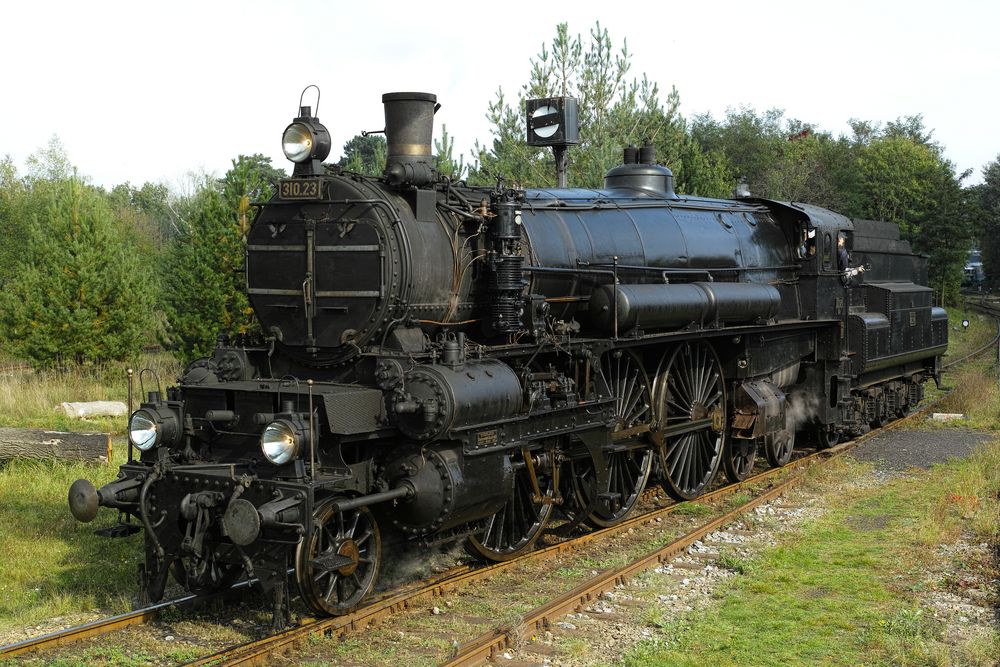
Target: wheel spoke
(334, 579)
(684, 395)
(517, 524)
(627, 471)
(692, 387)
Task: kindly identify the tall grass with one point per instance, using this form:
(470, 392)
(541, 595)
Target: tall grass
(976, 394)
(29, 398)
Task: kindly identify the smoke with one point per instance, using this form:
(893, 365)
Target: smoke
(800, 409)
(406, 562)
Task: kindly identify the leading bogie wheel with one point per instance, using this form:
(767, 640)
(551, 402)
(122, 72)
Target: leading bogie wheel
(204, 575)
(778, 447)
(826, 436)
(337, 565)
(738, 458)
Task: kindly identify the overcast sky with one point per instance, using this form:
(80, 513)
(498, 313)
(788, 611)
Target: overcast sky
(149, 91)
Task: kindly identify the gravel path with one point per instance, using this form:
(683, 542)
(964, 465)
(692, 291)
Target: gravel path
(900, 450)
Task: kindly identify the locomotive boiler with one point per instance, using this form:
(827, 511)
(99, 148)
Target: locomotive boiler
(442, 362)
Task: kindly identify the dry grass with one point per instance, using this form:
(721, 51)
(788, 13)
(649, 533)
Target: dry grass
(976, 395)
(29, 398)
(965, 499)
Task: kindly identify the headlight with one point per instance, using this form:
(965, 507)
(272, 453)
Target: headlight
(155, 424)
(280, 442)
(143, 430)
(297, 142)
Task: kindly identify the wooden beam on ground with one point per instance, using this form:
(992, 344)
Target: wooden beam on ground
(25, 443)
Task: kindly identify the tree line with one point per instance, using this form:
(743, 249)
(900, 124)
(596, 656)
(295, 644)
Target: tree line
(89, 274)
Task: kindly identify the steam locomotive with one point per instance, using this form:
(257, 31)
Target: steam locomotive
(442, 362)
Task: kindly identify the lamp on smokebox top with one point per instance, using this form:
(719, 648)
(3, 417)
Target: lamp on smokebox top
(554, 121)
(306, 141)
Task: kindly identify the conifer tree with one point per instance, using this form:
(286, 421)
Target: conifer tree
(200, 287)
(615, 110)
(203, 280)
(81, 291)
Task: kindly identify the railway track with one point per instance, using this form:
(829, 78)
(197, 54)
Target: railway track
(260, 651)
(482, 648)
(491, 644)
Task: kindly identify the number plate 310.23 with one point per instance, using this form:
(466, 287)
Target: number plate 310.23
(301, 189)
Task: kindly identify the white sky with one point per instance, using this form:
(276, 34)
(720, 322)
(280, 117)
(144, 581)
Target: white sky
(149, 91)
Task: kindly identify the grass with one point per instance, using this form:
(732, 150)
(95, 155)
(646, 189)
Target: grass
(734, 563)
(961, 341)
(29, 398)
(834, 592)
(693, 509)
(50, 565)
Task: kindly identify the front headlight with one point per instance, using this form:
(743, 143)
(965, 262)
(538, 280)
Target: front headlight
(280, 442)
(143, 430)
(297, 142)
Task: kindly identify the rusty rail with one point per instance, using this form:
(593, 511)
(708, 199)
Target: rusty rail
(259, 652)
(92, 629)
(491, 644)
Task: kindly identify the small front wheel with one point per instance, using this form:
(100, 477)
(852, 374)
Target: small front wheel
(337, 564)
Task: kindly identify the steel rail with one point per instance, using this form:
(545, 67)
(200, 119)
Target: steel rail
(103, 626)
(980, 350)
(492, 643)
(93, 628)
(258, 652)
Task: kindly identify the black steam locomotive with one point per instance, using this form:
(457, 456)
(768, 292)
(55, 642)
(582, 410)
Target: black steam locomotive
(442, 362)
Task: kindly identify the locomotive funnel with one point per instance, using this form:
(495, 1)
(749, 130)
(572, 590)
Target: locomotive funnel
(409, 126)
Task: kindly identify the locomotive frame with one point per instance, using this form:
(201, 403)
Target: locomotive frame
(443, 362)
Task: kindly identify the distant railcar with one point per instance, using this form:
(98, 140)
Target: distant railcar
(973, 276)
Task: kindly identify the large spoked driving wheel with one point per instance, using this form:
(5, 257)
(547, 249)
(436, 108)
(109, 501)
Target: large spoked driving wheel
(514, 529)
(337, 565)
(690, 404)
(631, 460)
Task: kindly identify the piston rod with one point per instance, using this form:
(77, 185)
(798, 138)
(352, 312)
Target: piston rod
(405, 490)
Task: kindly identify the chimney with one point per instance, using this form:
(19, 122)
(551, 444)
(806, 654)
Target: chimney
(409, 127)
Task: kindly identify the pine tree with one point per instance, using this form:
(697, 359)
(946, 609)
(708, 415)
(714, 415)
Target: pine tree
(203, 280)
(199, 285)
(81, 291)
(614, 110)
